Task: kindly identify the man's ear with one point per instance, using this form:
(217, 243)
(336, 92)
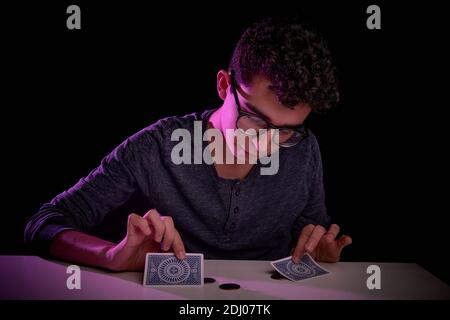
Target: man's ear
(223, 83)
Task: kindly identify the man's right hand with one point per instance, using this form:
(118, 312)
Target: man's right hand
(150, 233)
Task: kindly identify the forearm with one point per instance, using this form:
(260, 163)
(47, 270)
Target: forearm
(78, 247)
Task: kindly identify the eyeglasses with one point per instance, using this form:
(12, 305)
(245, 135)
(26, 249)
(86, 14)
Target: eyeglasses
(288, 136)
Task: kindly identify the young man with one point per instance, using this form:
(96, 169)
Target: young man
(280, 72)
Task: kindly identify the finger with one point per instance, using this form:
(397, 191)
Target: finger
(155, 219)
(344, 241)
(137, 223)
(178, 246)
(332, 233)
(169, 233)
(314, 238)
(300, 247)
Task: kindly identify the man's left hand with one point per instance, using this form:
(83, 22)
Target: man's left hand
(321, 244)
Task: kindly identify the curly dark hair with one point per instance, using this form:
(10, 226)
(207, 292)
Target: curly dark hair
(293, 57)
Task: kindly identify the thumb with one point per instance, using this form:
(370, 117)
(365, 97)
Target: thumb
(137, 229)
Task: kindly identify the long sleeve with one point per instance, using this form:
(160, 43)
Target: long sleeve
(86, 203)
(315, 211)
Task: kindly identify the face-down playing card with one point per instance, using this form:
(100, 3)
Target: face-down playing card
(164, 269)
(307, 268)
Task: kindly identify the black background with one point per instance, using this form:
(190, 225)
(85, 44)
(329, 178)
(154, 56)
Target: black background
(70, 96)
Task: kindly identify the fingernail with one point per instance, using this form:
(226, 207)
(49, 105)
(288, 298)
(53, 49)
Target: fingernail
(181, 255)
(295, 259)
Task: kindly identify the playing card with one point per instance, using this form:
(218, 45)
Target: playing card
(305, 269)
(164, 269)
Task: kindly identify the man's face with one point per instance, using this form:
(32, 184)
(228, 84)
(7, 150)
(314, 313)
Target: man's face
(259, 99)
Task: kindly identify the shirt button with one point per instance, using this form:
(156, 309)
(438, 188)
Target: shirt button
(236, 210)
(233, 226)
(237, 192)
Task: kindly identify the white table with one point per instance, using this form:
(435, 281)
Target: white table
(30, 277)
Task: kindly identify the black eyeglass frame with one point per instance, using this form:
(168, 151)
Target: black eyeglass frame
(302, 130)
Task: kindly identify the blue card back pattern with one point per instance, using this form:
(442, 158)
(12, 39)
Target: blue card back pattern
(164, 269)
(305, 269)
